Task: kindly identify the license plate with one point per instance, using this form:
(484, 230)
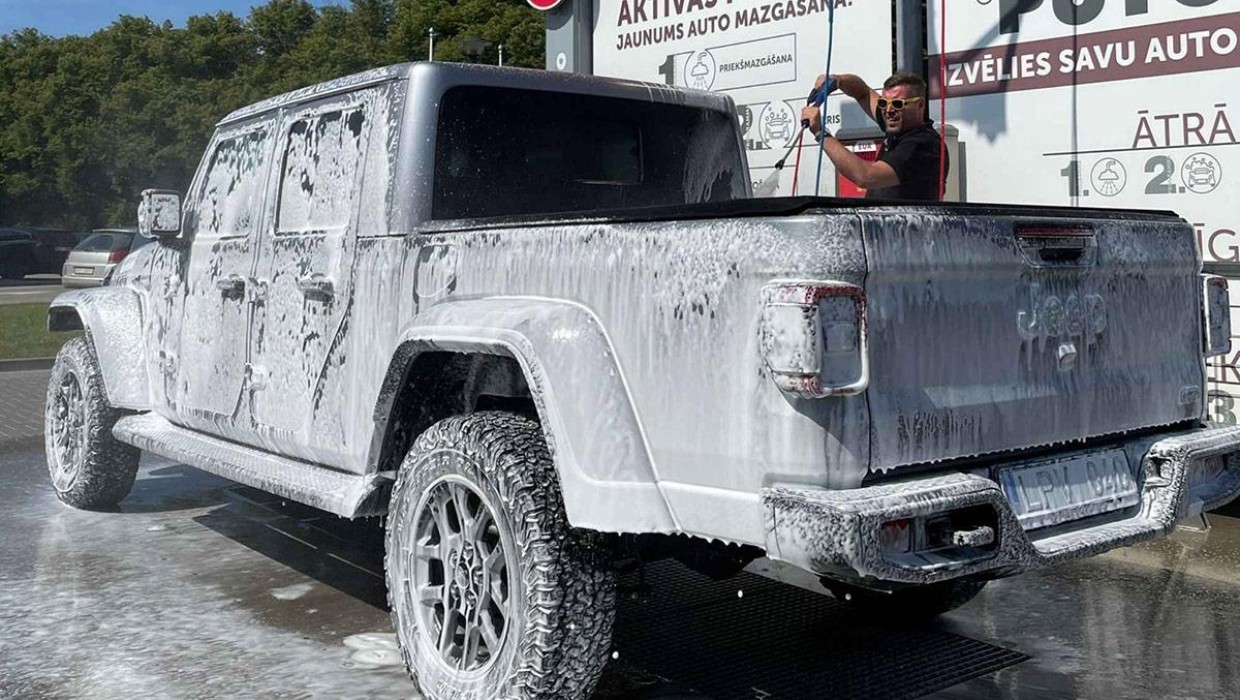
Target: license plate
(1071, 488)
(83, 270)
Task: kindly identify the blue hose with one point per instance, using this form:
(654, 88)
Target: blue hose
(827, 73)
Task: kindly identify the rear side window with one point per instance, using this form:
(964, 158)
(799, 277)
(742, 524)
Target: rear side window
(103, 242)
(503, 151)
(320, 171)
(231, 195)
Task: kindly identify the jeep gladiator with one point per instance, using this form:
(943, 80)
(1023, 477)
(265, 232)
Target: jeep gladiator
(539, 324)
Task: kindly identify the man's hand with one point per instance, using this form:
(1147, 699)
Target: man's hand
(809, 113)
(830, 81)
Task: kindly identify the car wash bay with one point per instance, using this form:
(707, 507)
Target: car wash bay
(199, 587)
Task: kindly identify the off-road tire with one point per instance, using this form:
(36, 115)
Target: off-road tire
(101, 471)
(561, 597)
(918, 602)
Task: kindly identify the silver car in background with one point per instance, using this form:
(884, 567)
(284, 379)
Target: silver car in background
(92, 260)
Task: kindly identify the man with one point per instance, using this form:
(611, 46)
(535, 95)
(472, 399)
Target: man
(908, 164)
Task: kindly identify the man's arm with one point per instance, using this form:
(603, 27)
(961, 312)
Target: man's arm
(856, 88)
(860, 172)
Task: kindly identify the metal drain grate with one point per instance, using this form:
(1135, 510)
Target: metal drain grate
(784, 642)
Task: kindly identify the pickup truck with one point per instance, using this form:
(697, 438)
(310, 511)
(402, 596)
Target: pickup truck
(538, 323)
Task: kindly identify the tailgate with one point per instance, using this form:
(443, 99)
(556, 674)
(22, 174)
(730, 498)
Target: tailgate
(991, 332)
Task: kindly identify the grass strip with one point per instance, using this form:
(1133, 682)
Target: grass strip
(24, 334)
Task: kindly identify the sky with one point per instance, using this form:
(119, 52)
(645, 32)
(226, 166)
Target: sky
(63, 17)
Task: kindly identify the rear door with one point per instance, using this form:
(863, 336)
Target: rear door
(992, 332)
(305, 272)
(223, 218)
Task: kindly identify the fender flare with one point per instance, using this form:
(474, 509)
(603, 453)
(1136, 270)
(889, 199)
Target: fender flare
(112, 319)
(608, 478)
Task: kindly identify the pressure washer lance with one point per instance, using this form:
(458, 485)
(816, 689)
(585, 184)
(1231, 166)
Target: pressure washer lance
(768, 186)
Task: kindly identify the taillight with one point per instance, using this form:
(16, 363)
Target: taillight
(1217, 315)
(117, 255)
(813, 338)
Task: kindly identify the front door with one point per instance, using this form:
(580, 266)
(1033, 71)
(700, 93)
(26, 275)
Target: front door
(305, 272)
(224, 211)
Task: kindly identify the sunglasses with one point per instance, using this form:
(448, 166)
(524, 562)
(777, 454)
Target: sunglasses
(897, 103)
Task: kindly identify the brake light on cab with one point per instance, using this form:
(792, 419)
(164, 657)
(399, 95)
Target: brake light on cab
(117, 255)
(813, 338)
(1216, 309)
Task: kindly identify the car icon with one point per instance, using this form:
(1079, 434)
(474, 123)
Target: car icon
(1202, 174)
(778, 127)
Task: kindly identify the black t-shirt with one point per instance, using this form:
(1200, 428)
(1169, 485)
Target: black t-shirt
(914, 155)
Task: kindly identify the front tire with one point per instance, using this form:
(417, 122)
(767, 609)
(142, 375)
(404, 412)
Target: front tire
(493, 595)
(90, 469)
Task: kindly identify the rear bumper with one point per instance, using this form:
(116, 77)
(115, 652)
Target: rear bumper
(98, 272)
(830, 532)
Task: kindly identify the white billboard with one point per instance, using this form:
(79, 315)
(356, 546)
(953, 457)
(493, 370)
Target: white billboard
(764, 53)
(1106, 103)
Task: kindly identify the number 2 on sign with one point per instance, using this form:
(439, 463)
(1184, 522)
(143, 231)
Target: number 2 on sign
(1163, 168)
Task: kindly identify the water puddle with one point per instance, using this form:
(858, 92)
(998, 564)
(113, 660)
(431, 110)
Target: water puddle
(373, 651)
(292, 592)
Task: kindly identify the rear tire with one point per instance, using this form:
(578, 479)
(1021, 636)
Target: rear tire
(90, 469)
(493, 595)
(917, 602)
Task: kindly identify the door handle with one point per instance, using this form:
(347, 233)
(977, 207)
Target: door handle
(231, 285)
(317, 286)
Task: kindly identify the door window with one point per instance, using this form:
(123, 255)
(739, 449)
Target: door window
(230, 200)
(319, 173)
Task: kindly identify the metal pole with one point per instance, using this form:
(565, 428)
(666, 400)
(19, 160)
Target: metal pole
(431, 52)
(910, 37)
(501, 54)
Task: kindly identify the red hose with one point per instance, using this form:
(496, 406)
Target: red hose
(796, 168)
(942, 99)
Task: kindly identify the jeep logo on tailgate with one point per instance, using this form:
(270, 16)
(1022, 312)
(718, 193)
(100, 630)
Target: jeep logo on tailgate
(1050, 316)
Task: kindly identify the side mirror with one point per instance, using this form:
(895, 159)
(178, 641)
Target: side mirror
(159, 214)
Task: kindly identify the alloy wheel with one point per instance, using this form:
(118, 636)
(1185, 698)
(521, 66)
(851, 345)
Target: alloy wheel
(461, 566)
(68, 418)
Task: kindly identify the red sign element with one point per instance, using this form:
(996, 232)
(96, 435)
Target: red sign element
(1170, 48)
(868, 151)
(544, 5)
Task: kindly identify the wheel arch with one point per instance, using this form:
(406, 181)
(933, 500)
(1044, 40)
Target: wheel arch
(112, 320)
(550, 358)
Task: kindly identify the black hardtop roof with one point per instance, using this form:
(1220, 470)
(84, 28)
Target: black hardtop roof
(443, 76)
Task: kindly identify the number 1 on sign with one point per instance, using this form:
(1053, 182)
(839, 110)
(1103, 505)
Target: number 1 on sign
(1073, 173)
(668, 70)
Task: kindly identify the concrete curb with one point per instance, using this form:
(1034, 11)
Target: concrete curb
(26, 365)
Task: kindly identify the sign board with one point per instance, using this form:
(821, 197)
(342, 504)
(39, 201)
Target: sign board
(544, 5)
(1108, 103)
(765, 54)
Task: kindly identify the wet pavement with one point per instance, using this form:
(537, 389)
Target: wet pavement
(200, 588)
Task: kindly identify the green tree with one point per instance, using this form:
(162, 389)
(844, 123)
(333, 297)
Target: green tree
(87, 122)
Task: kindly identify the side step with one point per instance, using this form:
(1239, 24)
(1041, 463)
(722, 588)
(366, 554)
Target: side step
(346, 495)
